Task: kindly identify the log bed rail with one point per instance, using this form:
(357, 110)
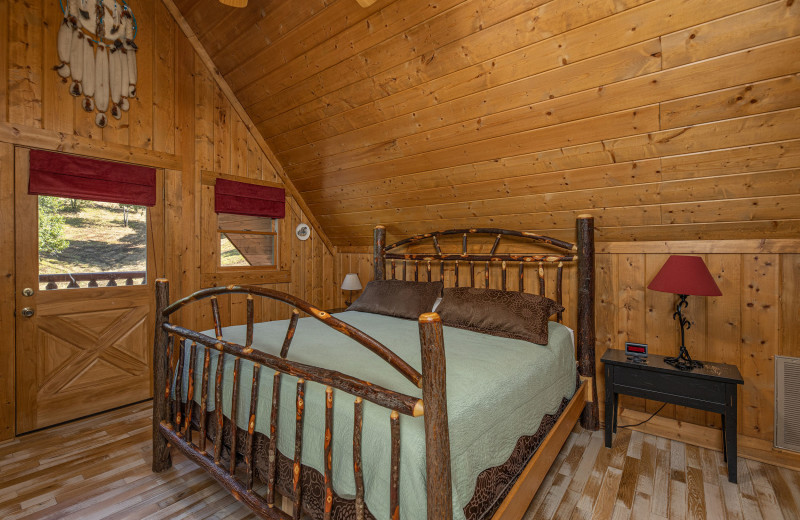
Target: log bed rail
(173, 422)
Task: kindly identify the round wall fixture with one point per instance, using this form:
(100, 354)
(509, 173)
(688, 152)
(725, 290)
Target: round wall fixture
(302, 231)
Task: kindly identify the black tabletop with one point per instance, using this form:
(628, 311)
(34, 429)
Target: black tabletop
(716, 371)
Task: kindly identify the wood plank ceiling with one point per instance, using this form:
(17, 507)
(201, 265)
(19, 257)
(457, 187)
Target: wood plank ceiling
(666, 119)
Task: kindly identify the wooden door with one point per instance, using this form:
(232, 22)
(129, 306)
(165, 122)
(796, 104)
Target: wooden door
(83, 350)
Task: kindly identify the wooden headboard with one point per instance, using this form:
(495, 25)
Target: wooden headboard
(581, 253)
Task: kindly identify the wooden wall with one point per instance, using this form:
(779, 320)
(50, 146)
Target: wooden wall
(668, 119)
(180, 121)
(180, 113)
(756, 318)
(673, 122)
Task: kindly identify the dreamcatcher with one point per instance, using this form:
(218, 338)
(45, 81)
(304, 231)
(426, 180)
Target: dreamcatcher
(96, 50)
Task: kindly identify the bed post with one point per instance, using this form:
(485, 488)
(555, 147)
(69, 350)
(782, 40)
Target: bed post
(586, 331)
(379, 238)
(161, 456)
(437, 434)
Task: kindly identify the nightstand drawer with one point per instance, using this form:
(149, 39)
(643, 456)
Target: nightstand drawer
(693, 388)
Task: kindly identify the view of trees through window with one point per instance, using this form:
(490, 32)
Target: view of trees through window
(91, 244)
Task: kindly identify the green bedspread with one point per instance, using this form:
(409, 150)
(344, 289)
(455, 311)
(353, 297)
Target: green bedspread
(498, 390)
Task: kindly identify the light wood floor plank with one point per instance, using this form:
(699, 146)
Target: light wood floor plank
(792, 479)
(547, 483)
(696, 494)
(585, 504)
(647, 466)
(606, 500)
(562, 479)
(641, 506)
(712, 494)
(659, 503)
(783, 492)
(627, 484)
(765, 494)
(678, 507)
(99, 468)
(731, 496)
(580, 476)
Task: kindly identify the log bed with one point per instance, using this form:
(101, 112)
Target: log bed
(175, 422)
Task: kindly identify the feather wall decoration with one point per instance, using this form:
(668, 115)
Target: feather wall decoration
(97, 55)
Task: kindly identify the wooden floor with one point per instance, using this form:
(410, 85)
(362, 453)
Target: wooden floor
(100, 468)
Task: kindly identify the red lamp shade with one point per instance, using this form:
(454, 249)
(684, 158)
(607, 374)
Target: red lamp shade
(685, 275)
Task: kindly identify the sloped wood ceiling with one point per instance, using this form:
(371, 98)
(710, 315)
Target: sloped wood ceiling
(666, 119)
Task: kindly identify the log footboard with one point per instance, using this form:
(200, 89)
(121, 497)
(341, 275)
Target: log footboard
(172, 426)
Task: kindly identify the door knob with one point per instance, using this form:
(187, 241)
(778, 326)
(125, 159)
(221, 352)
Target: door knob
(27, 291)
(27, 312)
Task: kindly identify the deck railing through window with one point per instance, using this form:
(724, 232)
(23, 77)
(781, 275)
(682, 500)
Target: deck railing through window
(111, 279)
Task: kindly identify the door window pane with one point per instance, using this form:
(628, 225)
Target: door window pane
(91, 244)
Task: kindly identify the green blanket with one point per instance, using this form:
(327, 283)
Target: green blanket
(498, 390)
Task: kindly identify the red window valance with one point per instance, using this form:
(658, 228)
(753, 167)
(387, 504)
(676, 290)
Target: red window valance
(242, 198)
(72, 177)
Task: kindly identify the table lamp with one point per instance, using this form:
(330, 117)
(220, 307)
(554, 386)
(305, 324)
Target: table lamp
(684, 276)
(351, 283)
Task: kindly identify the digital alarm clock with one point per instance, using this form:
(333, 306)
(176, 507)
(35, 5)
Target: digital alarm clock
(636, 352)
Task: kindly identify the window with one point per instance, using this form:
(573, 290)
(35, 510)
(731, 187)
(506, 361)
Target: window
(241, 248)
(92, 220)
(246, 241)
(86, 243)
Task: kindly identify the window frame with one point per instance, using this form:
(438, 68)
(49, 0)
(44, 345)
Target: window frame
(212, 273)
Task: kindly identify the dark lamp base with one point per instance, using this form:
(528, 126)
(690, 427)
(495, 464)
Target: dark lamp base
(683, 361)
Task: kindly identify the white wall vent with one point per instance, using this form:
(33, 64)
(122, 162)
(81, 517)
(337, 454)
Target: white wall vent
(787, 403)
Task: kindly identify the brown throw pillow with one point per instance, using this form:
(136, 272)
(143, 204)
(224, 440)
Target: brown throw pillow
(398, 298)
(507, 314)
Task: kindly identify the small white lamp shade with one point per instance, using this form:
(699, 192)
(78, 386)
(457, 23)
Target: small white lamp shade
(351, 282)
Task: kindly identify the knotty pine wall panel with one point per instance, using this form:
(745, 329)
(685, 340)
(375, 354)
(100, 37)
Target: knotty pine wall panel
(224, 145)
(178, 110)
(526, 113)
(180, 117)
(7, 288)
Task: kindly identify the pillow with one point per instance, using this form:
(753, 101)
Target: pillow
(398, 298)
(507, 314)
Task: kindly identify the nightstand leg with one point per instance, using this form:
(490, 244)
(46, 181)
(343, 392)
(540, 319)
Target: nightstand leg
(724, 441)
(610, 407)
(730, 431)
(616, 410)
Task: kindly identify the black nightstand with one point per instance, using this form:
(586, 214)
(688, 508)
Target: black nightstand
(711, 388)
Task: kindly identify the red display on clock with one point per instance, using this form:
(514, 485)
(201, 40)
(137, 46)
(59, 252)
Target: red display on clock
(636, 349)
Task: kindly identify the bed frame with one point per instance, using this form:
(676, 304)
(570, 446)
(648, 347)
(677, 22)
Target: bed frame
(173, 423)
